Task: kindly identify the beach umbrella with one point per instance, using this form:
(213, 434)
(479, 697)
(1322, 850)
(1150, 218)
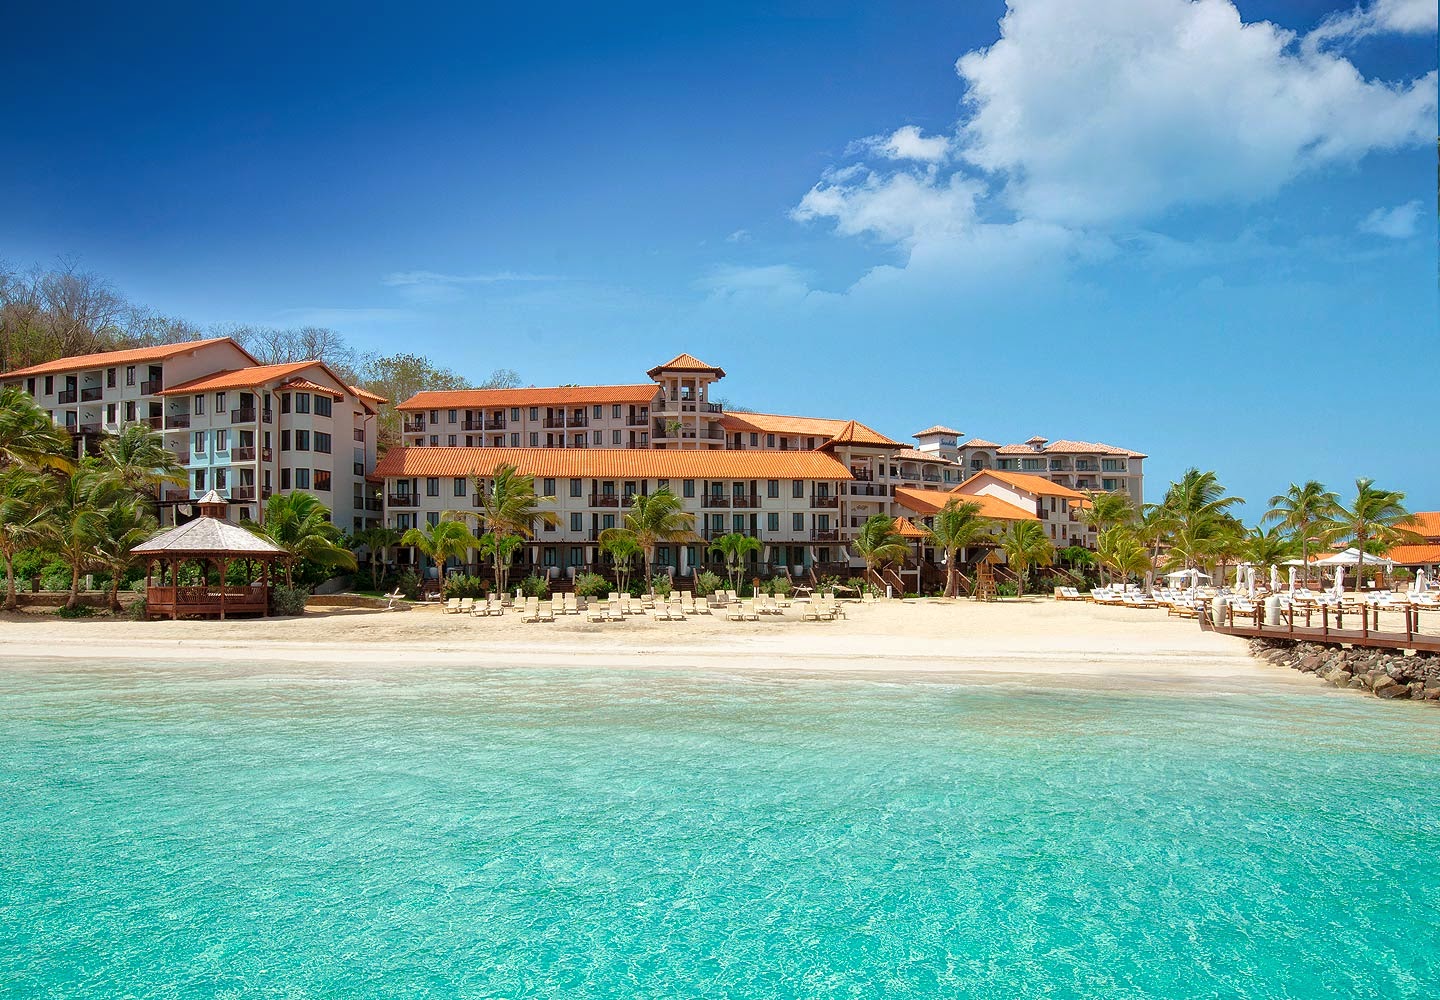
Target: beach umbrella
(1339, 581)
(1420, 581)
(1250, 580)
(1292, 579)
(1274, 579)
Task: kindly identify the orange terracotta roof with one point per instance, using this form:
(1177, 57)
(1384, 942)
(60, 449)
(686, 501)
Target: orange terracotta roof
(367, 394)
(1414, 555)
(561, 395)
(613, 463)
(1016, 449)
(927, 502)
(1425, 523)
(305, 385)
(1038, 485)
(685, 363)
(979, 443)
(134, 354)
(855, 432)
(937, 429)
(238, 378)
(779, 423)
(1090, 447)
(905, 529)
(911, 455)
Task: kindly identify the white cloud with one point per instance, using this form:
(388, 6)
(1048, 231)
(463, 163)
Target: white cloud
(434, 287)
(906, 143)
(903, 207)
(738, 236)
(1397, 223)
(1120, 110)
(1409, 17)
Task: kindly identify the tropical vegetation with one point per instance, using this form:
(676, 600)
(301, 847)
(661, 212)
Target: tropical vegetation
(955, 527)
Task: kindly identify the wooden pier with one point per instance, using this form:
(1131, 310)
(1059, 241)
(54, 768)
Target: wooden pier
(1329, 629)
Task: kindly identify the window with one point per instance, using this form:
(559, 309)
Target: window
(514, 413)
(615, 437)
(1112, 465)
(302, 440)
(322, 480)
(30, 387)
(219, 402)
(450, 440)
(754, 440)
(434, 440)
(302, 402)
(514, 439)
(432, 486)
(109, 378)
(772, 521)
(432, 518)
(130, 375)
(599, 411)
(577, 521)
(284, 402)
(615, 411)
(221, 478)
(547, 555)
(797, 489)
(322, 440)
(534, 413)
(199, 406)
(324, 406)
(644, 439)
(598, 437)
(50, 384)
(549, 488)
(110, 409)
(302, 479)
(434, 416)
(769, 440)
(130, 409)
(284, 440)
(577, 487)
(772, 489)
(402, 522)
(687, 488)
(461, 487)
(198, 445)
(797, 522)
(453, 416)
(199, 480)
(222, 440)
(534, 439)
(1032, 464)
(810, 443)
(607, 521)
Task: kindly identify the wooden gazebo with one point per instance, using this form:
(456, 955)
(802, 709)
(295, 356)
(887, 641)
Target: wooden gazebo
(211, 541)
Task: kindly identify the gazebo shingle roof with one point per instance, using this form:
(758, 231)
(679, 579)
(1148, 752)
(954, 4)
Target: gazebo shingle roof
(207, 535)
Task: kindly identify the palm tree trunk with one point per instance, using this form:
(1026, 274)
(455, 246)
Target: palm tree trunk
(73, 601)
(115, 591)
(10, 602)
(952, 579)
(1359, 565)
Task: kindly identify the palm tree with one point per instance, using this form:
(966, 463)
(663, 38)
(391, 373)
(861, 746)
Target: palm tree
(1376, 517)
(1025, 545)
(137, 456)
(501, 550)
(735, 547)
(1194, 511)
(657, 518)
(27, 434)
(621, 545)
(127, 523)
(1303, 510)
(81, 502)
(509, 507)
(955, 527)
(1269, 546)
(300, 525)
(1121, 550)
(26, 518)
(378, 541)
(878, 543)
(441, 541)
(1107, 509)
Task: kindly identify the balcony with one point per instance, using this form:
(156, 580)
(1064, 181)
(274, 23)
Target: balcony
(641, 419)
(413, 427)
(870, 490)
(89, 428)
(154, 423)
(177, 421)
(243, 493)
(91, 395)
(245, 453)
(819, 501)
(715, 500)
(359, 435)
(745, 500)
(604, 500)
(373, 505)
(824, 534)
(403, 500)
(67, 396)
(244, 415)
(863, 475)
(495, 425)
(151, 386)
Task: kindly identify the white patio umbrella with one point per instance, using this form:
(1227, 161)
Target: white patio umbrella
(1420, 581)
(1339, 581)
(1274, 579)
(1250, 581)
(1292, 579)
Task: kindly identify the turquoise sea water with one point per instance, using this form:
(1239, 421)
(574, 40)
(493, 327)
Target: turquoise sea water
(284, 832)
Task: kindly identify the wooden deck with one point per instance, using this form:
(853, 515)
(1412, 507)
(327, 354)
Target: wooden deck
(1323, 625)
(205, 602)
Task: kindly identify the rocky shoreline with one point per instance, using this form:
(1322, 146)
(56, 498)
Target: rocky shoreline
(1379, 672)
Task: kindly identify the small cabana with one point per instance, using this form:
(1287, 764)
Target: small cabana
(212, 542)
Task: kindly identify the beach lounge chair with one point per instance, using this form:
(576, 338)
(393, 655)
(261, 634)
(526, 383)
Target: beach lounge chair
(391, 598)
(660, 612)
(616, 611)
(677, 609)
(734, 613)
(545, 611)
(467, 605)
(452, 606)
(530, 610)
(571, 605)
(595, 610)
(732, 597)
(812, 611)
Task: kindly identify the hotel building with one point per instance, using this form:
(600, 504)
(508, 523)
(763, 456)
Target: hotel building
(242, 429)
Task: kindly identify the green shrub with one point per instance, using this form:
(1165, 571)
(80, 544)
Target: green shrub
(660, 585)
(706, 583)
(591, 585)
(535, 586)
(409, 584)
(55, 576)
(460, 585)
(288, 601)
(81, 611)
(780, 586)
(1005, 589)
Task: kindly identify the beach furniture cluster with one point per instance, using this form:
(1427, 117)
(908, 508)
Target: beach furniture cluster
(676, 607)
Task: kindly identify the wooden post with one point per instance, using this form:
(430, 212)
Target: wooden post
(222, 588)
(174, 590)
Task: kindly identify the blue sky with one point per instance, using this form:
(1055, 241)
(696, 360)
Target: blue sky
(1204, 232)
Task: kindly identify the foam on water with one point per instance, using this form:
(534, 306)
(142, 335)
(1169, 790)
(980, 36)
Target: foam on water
(183, 831)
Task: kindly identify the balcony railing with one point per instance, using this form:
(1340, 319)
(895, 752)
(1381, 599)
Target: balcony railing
(248, 453)
(745, 500)
(90, 427)
(91, 395)
(863, 475)
(715, 500)
(641, 419)
(243, 415)
(819, 501)
(177, 420)
(151, 386)
(154, 423)
(404, 500)
(360, 435)
(243, 493)
(374, 505)
(67, 396)
(495, 425)
(604, 500)
(413, 427)
(824, 534)
(871, 490)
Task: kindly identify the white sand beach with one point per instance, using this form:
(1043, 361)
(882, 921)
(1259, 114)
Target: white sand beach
(1038, 639)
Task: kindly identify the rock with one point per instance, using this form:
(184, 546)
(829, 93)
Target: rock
(1310, 662)
(1386, 686)
(1356, 684)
